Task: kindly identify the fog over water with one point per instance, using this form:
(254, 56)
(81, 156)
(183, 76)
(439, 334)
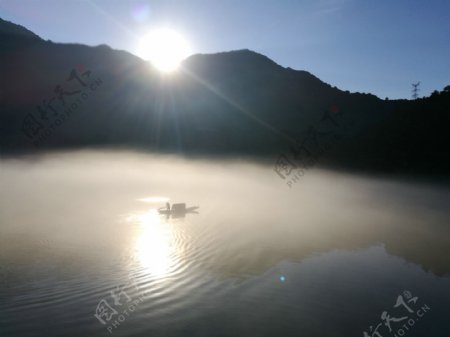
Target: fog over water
(323, 258)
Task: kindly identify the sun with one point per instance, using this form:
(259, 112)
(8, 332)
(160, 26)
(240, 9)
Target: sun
(164, 48)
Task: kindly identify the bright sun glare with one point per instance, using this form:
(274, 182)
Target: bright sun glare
(164, 48)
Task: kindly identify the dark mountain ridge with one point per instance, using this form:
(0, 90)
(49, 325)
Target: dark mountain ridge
(8, 28)
(239, 103)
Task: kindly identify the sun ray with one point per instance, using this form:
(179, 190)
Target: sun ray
(239, 107)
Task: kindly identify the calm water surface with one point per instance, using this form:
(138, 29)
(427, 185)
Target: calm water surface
(84, 252)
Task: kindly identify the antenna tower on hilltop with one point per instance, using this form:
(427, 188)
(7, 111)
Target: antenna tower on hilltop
(415, 90)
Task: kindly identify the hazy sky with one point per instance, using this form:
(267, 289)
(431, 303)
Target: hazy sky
(368, 46)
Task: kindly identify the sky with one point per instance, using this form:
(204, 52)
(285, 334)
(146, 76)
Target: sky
(379, 47)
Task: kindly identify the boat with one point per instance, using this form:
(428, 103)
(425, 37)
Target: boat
(177, 210)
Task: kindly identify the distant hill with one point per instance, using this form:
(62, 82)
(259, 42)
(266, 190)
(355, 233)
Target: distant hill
(237, 103)
(8, 28)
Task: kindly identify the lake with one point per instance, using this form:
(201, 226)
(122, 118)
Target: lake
(84, 251)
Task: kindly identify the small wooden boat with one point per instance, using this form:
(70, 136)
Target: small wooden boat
(177, 210)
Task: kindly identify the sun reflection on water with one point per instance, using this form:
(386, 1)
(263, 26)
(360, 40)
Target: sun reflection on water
(154, 247)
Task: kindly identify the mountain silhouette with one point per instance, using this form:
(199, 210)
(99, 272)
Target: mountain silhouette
(237, 103)
(11, 30)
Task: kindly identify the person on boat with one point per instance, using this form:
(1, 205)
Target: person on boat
(168, 206)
